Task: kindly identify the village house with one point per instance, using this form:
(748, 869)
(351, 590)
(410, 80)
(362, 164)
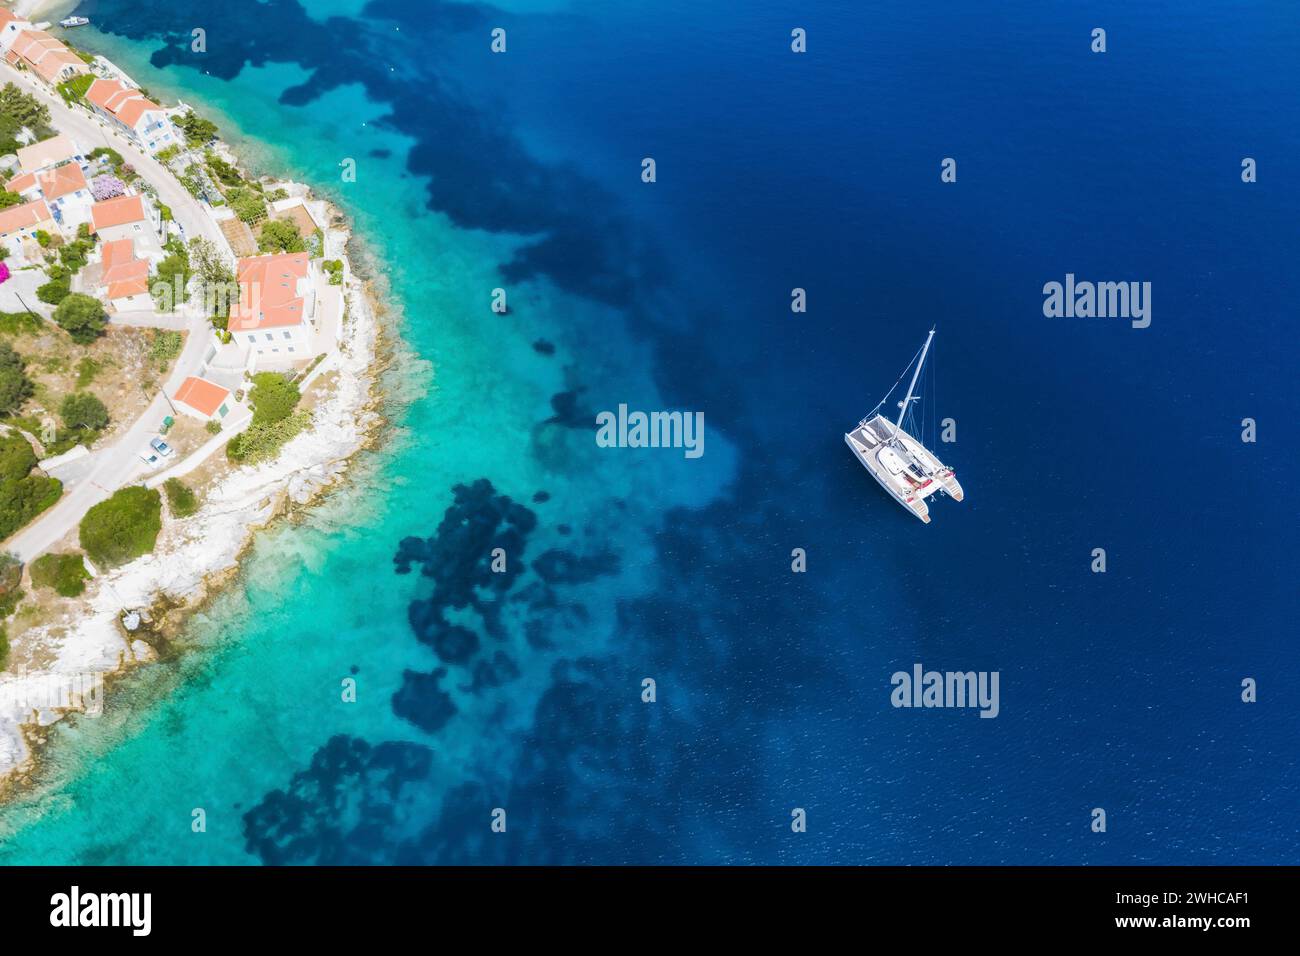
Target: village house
(129, 217)
(202, 399)
(54, 151)
(64, 189)
(45, 56)
(18, 228)
(274, 318)
(124, 279)
(133, 113)
(10, 26)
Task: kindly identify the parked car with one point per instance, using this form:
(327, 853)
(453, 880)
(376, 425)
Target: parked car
(160, 446)
(149, 457)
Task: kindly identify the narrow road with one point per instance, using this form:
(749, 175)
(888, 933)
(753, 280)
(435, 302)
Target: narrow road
(118, 464)
(91, 132)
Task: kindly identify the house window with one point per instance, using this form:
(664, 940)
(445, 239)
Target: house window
(275, 350)
(269, 336)
(288, 335)
(290, 348)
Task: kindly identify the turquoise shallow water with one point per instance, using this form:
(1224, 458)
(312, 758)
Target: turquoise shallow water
(466, 395)
(523, 690)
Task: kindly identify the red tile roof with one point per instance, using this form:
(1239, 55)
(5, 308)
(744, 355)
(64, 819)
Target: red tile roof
(116, 212)
(20, 184)
(29, 214)
(46, 55)
(61, 180)
(201, 395)
(126, 103)
(123, 273)
(268, 292)
(48, 152)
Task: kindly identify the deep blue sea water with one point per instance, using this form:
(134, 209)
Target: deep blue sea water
(775, 170)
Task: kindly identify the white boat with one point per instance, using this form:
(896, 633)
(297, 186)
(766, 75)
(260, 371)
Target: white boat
(904, 467)
(73, 22)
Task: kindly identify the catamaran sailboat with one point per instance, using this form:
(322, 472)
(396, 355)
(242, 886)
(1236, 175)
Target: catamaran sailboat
(903, 466)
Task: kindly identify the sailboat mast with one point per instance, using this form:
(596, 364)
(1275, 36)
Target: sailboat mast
(915, 375)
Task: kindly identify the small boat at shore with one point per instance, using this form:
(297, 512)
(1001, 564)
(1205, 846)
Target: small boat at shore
(74, 22)
(899, 462)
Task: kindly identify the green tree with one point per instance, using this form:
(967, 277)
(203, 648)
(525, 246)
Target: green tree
(54, 291)
(180, 498)
(280, 235)
(274, 397)
(81, 316)
(197, 130)
(24, 109)
(66, 574)
(247, 204)
(262, 440)
(123, 527)
(23, 499)
(8, 199)
(16, 457)
(173, 281)
(83, 411)
(15, 386)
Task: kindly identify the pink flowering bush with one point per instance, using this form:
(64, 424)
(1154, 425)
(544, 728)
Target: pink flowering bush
(4, 272)
(106, 187)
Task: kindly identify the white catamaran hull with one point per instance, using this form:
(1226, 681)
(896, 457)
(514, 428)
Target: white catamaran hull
(905, 468)
(908, 471)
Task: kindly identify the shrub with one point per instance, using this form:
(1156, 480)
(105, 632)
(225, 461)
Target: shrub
(16, 457)
(66, 574)
(15, 386)
(262, 440)
(335, 269)
(247, 204)
(23, 499)
(75, 254)
(172, 281)
(43, 238)
(11, 571)
(213, 427)
(21, 323)
(55, 291)
(274, 397)
(123, 527)
(280, 235)
(81, 316)
(83, 411)
(180, 498)
(87, 369)
(103, 152)
(165, 346)
(196, 129)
